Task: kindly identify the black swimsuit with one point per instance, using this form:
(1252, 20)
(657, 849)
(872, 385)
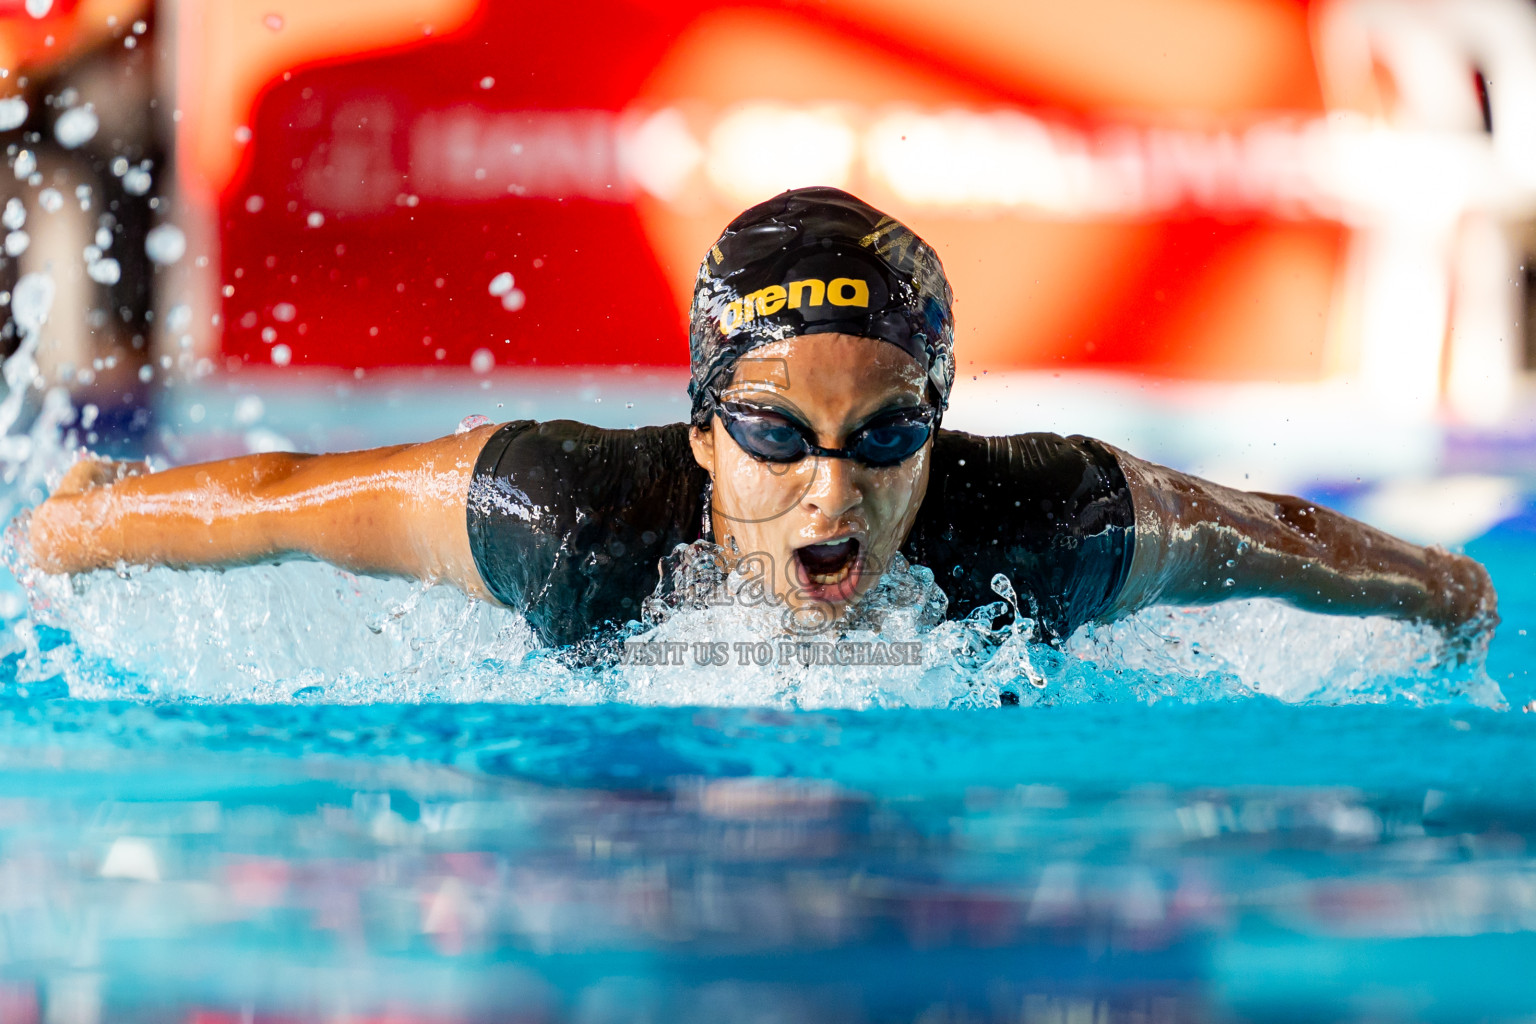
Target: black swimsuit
(568, 522)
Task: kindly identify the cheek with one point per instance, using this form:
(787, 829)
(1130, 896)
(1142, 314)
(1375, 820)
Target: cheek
(893, 499)
(755, 496)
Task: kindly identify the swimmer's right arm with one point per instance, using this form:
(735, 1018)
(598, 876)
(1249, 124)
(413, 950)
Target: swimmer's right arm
(396, 511)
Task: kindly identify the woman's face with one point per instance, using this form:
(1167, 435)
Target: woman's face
(821, 529)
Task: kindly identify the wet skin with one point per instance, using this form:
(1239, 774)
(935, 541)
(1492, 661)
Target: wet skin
(834, 384)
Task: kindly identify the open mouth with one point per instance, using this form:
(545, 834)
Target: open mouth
(829, 563)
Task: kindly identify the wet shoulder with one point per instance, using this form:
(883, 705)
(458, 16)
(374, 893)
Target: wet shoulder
(1052, 513)
(567, 521)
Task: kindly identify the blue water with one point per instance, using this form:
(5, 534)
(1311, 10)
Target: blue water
(327, 855)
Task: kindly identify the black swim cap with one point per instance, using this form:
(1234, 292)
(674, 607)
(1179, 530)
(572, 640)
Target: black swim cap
(817, 261)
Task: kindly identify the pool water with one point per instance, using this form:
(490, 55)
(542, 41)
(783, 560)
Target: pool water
(285, 794)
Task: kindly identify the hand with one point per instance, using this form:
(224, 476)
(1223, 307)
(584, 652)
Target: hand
(91, 471)
(60, 532)
(1467, 605)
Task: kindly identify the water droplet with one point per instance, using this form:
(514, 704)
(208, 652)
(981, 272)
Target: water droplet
(146, 373)
(273, 21)
(15, 214)
(284, 312)
(105, 271)
(249, 410)
(179, 318)
(31, 300)
(470, 422)
(1228, 582)
(165, 244)
(16, 243)
(242, 135)
(514, 300)
(13, 114)
(137, 181)
(487, 82)
(50, 200)
(254, 204)
(315, 219)
(103, 238)
(269, 334)
(501, 283)
(39, 8)
(281, 355)
(26, 164)
(76, 127)
(482, 361)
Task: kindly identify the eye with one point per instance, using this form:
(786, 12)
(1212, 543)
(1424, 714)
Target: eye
(892, 441)
(766, 436)
(776, 433)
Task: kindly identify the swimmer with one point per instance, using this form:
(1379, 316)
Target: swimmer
(821, 348)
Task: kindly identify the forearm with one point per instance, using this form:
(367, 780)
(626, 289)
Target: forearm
(389, 511)
(212, 514)
(1198, 542)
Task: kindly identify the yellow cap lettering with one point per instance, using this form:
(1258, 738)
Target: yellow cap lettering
(770, 300)
(847, 291)
(731, 318)
(797, 290)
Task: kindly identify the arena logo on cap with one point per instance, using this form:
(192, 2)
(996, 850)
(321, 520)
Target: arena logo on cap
(811, 291)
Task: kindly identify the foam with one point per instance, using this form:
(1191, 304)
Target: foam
(304, 631)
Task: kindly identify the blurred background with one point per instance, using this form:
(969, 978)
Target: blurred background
(1284, 244)
(1276, 241)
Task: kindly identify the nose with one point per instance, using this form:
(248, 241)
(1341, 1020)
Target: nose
(834, 491)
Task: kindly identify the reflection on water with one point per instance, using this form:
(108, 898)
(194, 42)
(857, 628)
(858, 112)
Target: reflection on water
(472, 864)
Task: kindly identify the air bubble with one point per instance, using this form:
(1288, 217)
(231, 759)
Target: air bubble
(482, 361)
(16, 243)
(514, 300)
(273, 21)
(15, 214)
(25, 165)
(501, 283)
(315, 219)
(284, 312)
(281, 355)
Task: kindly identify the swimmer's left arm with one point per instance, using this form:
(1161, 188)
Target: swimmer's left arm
(1198, 542)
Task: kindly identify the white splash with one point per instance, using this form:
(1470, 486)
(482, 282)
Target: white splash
(306, 631)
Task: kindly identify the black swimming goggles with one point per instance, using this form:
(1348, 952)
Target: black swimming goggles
(772, 435)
